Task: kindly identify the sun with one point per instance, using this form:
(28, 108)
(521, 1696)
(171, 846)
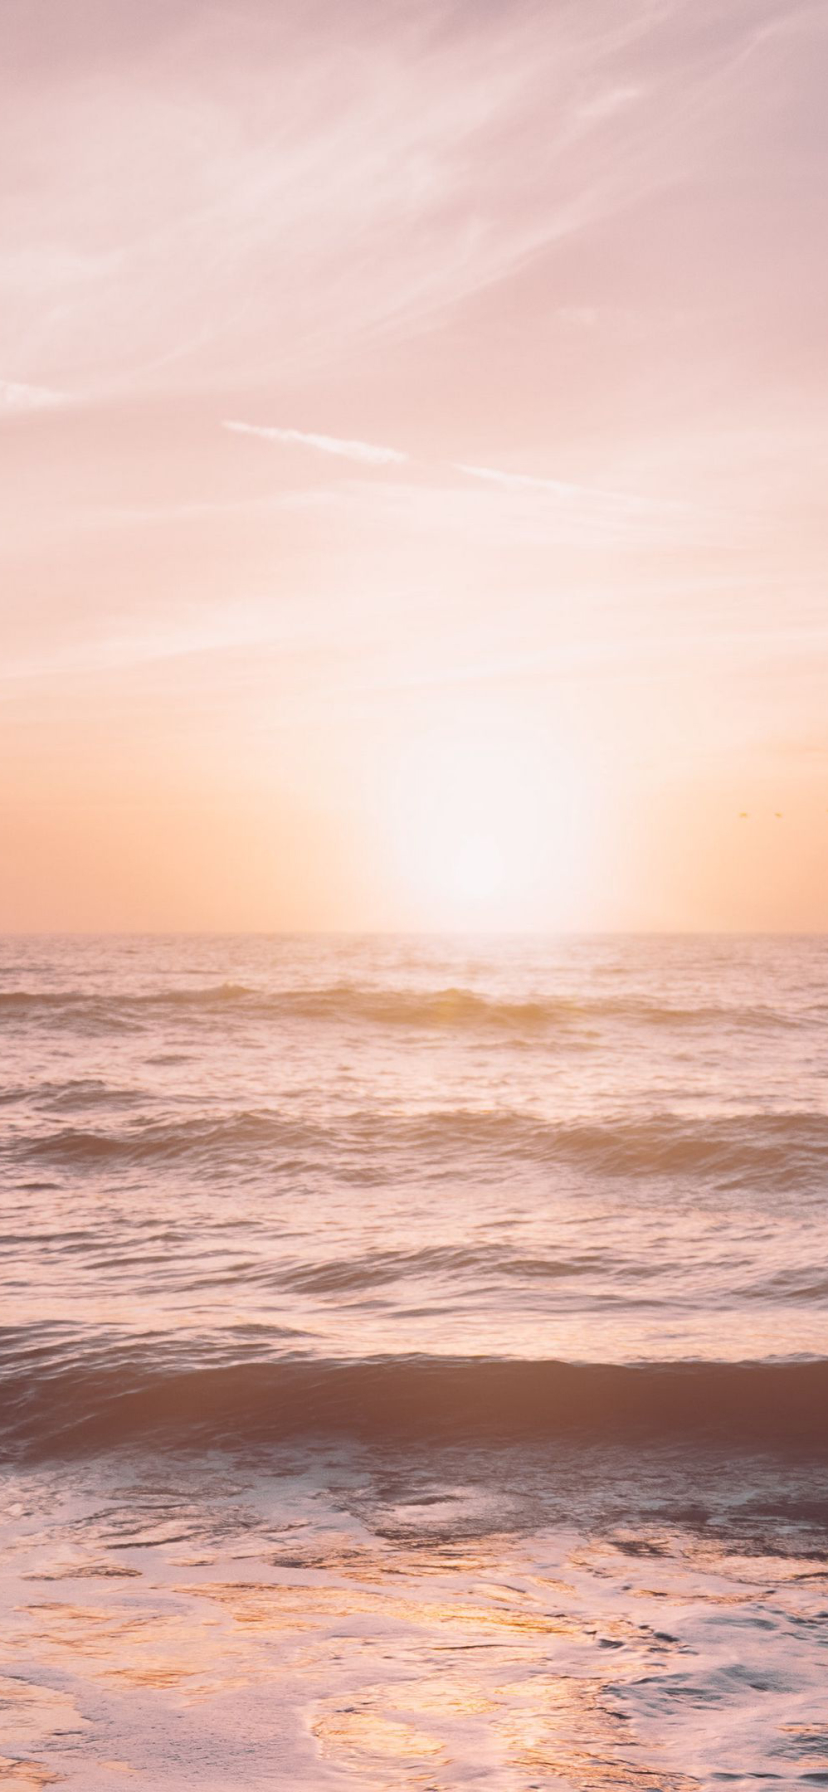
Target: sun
(489, 828)
(474, 867)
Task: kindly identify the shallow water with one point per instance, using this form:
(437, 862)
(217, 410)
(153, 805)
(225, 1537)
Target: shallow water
(413, 1362)
(328, 1617)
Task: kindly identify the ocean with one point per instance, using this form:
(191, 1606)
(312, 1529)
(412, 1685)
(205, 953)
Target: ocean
(414, 1363)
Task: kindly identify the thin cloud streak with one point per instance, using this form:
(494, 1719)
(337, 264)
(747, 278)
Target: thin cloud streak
(370, 453)
(17, 399)
(375, 454)
(563, 489)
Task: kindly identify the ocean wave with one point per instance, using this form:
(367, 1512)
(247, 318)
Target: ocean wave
(50, 1407)
(449, 1008)
(72, 1096)
(783, 1150)
(379, 1268)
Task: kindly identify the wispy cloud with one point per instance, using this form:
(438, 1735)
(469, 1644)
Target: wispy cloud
(369, 453)
(558, 488)
(245, 234)
(565, 491)
(455, 513)
(16, 398)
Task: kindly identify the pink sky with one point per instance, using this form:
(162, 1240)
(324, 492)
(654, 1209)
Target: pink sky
(413, 420)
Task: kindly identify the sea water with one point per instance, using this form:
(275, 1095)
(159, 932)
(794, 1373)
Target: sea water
(413, 1362)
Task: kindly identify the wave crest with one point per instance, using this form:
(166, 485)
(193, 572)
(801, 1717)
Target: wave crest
(785, 1150)
(449, 1008)
(58, 1409)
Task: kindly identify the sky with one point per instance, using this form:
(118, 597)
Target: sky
(413, 431)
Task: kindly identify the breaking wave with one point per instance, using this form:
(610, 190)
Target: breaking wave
(51, 1407)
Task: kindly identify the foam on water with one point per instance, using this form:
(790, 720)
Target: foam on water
(341, 1618)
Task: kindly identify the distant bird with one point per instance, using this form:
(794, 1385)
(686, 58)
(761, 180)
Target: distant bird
(778, 814)
(744, 814)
